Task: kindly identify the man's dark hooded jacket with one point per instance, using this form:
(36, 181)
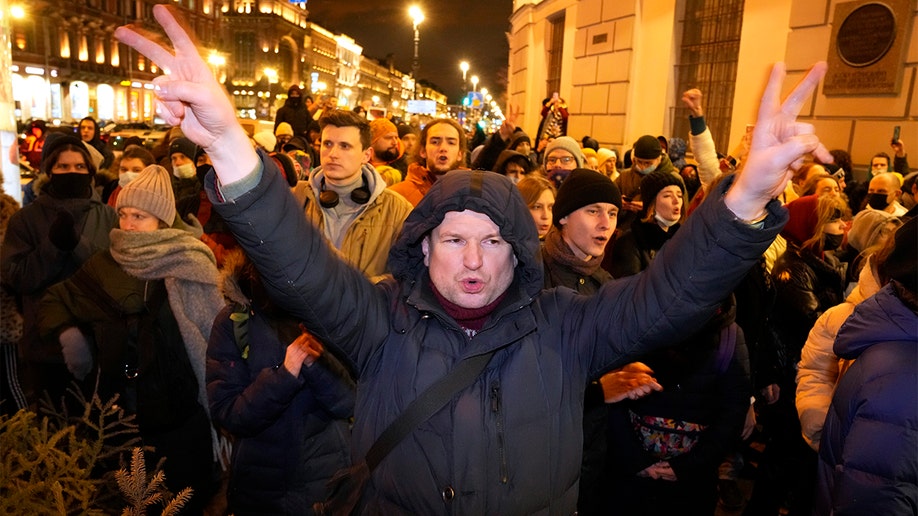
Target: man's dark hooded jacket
(511, 442)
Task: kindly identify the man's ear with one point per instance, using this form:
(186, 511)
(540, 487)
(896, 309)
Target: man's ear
(425, 248)
(368, 154)
(562, 221)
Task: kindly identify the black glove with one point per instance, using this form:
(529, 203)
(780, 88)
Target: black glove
(62, 232)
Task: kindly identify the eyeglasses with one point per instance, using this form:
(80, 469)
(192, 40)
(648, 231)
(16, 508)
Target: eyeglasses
(566, 160)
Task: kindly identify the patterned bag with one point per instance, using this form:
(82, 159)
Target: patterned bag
(665, 438)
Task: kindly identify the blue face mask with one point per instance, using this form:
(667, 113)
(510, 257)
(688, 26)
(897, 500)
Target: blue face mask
(647, 170)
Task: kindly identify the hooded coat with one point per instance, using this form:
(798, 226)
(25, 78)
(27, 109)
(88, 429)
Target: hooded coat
(867, 456)
(31, 263)
(291, 433)
(511, 442)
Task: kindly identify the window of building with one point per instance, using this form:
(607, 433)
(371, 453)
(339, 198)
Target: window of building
(555, 48)
(710, 50)
(244, 54)
(84, 48)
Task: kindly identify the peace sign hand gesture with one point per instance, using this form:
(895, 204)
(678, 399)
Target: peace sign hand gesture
(191, 97)
(779, 144)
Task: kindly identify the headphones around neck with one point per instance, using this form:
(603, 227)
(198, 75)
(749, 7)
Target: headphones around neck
(360, 195)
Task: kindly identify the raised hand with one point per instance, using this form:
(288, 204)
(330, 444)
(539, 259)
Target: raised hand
(509, 124)
(779, 144)
(188, 95)
(692, 100)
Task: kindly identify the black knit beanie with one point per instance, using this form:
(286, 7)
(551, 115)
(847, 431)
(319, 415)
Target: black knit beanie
(581, 188)
(655, 181)
(647, 147)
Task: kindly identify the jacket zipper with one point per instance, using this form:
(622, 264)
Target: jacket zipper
(495, 408)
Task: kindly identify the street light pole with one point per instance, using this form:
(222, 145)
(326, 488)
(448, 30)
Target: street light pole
(416, 17)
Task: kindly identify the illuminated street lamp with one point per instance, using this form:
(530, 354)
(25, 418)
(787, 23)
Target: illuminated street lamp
(474, 83)
(416, 18)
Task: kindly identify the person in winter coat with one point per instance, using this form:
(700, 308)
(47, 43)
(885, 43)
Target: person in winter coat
(867, 460)
(467, 281)
(45, 243)
(149, 303)
(89, 133)
(665, 448)
(820, 368)
(585, 214)
(808, 280)
(442, 147)
(294, 112)
(347, 198)
(662, 212)
(647, 157)
(290, 423)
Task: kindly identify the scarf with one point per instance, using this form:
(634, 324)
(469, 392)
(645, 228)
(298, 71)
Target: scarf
(561, 253)
(188, 269)
(471, 320)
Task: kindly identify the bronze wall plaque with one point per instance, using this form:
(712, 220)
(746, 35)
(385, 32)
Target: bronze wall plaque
(867, 48)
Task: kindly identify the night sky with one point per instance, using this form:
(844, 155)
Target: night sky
(452, 31)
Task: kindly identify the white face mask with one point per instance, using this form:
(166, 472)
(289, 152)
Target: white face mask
(185, 171)
(127, 177)
(663, 222)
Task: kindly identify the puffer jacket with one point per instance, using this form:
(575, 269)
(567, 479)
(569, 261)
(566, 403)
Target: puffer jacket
(511, 442)
(806, 285)
(291, 433)
(31, 263)
(820, 368)
(867, 457)
(368, 239)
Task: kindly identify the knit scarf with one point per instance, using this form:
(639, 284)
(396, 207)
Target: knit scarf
(188, 269)
(560, 252)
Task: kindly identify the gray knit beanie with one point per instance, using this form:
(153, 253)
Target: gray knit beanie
(150, 192)
(565, 143)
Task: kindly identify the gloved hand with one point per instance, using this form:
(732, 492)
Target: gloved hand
(62, 232)
(77, 354)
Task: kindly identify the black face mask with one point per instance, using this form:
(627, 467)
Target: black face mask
(831, 242)
(877, 201)
(70, 186)
(295, 101)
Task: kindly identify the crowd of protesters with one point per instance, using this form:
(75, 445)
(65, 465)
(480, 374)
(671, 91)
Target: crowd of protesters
(637, 313)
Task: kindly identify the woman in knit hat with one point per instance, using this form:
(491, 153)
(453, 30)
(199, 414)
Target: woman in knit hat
(46, 242)
(660, 218)
(149, 302)
(665, 449)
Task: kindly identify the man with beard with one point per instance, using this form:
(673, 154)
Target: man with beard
(442, 148)
(386, 149)
(347, 199)
(294, 112)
